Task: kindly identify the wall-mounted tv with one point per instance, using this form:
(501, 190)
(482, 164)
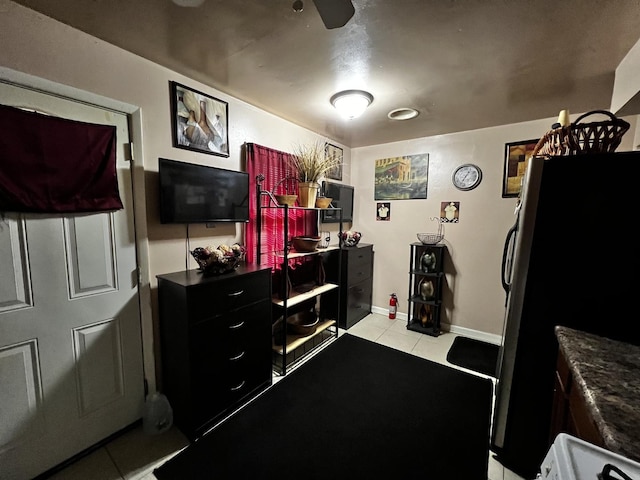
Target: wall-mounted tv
(191, 193)
(342, 196)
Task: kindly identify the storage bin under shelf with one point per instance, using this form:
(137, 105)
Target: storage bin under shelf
(294, 341)
(298, 347)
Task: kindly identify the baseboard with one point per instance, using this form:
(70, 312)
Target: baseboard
(477, 334)
(467, 332)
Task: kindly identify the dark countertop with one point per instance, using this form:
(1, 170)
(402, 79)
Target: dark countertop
(608, 374)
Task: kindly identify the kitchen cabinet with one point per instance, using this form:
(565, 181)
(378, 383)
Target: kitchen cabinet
(597, 391)
(426, 276)
(291, 297)
(215, 334)
(570, 413)
(356, 284)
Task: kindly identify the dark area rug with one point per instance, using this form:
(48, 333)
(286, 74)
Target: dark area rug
(357, 409)
(475, 355)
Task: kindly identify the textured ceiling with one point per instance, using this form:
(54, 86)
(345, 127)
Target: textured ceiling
(464, 64)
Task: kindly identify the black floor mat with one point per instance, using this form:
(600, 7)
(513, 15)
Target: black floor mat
(481, 357)
(357, 409)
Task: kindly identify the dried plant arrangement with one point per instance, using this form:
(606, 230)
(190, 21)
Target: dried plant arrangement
(311, 162)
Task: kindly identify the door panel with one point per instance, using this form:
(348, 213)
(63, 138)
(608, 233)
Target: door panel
(15, 288)
(21, 393)
(90, 250)
(70, 335)
(99, 372)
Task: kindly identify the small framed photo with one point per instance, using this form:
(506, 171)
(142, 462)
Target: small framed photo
(199, 122)
(517, 155)
(383, 211)
(450, 212)
(333, 151)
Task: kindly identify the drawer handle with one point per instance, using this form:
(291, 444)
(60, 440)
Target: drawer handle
(235, 294)
(237, 357)
(237, 325)
(238, 387)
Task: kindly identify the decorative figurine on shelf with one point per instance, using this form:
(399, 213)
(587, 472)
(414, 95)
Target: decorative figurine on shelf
(427, 290)
(428, 261)
(426, 315)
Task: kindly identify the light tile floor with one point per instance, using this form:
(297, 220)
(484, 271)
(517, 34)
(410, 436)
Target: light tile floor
(134, 455)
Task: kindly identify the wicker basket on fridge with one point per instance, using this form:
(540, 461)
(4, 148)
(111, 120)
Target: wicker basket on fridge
(580, 138)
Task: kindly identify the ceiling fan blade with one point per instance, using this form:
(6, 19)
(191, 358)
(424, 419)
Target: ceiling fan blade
(335, 13)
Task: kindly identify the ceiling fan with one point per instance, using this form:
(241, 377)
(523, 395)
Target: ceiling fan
(334, 13)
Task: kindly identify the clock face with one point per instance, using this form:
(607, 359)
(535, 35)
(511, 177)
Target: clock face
(467, 177)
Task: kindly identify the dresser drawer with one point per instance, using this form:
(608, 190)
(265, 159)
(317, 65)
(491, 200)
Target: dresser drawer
(218, 339)
(357, 255)
(359, 272)
(230, 358)
(359, 265)
(228, 295)
(358, 302)
(246, 374)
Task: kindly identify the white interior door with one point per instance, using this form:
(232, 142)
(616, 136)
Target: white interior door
(70, 337)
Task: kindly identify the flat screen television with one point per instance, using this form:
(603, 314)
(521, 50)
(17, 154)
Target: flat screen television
(342, 196)
(191, 193)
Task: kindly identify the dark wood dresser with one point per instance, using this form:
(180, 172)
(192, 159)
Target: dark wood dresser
(356, 284)
(216, 342)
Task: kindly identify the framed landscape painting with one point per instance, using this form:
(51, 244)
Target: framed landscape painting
(516, 159)
(200, 122)
(401, 178)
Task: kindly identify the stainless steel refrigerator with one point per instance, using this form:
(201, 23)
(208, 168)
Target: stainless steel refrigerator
(570, 259)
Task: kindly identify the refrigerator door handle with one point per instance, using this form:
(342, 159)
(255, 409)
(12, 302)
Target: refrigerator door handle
(506, 262)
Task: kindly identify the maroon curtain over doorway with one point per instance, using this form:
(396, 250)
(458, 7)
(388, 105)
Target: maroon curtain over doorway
(54, 165)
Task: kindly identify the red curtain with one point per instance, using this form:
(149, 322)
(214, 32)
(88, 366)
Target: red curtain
(277, 172)
(54, 165)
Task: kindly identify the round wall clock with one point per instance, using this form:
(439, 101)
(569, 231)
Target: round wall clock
(467, 176)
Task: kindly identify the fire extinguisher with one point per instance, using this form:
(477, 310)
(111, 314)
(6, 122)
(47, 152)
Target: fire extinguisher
(393, 306)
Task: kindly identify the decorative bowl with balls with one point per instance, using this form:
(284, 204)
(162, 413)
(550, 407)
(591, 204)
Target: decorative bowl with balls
(218, 260)
(350, 238)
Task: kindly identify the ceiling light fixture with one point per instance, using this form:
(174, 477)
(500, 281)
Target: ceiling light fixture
(404, 113)
(351, 103)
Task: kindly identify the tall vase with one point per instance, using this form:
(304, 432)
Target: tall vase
(307, 193)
